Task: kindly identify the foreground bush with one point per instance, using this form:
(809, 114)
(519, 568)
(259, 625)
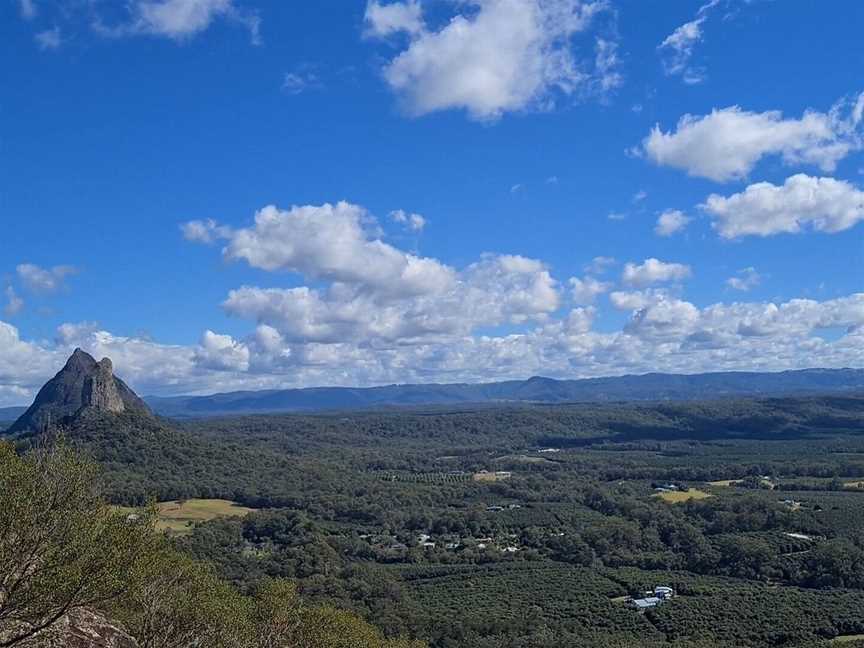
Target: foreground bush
(62, 551)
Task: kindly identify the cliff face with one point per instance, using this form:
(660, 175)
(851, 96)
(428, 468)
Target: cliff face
(82, 384)
(100, 389)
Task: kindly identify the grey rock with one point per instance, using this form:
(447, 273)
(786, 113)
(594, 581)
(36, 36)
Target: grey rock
(83, 384)
(82, 628)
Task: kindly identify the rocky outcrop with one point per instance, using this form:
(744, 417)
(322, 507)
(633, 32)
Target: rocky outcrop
(82, 384)
(100, 389)
(82, 628)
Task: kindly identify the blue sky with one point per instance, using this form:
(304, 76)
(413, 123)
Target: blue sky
(442, 177)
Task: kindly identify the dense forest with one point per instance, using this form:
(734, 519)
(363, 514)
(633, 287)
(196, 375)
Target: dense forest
(529, 526)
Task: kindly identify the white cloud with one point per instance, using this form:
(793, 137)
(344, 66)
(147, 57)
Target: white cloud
(664, 333)
(49, 39)
(747, 279)
(180, 19)
(386, 19)
(499, 56)
(330, 242)
(221, 352)
(204, 231)
(493, 291)
(764, 209)
(414, 222)
(677, 48)
(42, 280)
(639, 196)
(653, 271)
(24, 366)
(373, 291)
(606, 66)
(670, 222)
(727, 144)
(632, 300)
(585, 291)
(665, 319)
(14, 303)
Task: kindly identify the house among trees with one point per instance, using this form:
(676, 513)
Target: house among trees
(652, 599)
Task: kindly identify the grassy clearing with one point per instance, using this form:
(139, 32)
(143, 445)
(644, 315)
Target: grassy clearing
(178, 517)
(725, 482)
(848, 638)
(674, 497)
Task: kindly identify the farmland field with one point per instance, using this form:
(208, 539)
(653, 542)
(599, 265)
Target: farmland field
(674, 497)
(179, 517)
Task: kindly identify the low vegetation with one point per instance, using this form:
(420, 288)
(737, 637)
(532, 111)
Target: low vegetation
(62, 549)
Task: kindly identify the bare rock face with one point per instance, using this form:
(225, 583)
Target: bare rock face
(82, 629)
(82, 384)
(100, 389)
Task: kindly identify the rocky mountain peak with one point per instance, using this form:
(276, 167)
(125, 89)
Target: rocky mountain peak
(82, 384)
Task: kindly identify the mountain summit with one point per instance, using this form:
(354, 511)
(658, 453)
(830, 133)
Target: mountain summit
(81, 385)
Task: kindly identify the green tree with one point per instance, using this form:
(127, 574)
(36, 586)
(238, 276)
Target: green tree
(61, 548)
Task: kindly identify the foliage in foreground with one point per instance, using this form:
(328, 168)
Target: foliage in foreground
(62, 549)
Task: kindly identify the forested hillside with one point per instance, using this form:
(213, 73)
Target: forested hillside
(527, 526)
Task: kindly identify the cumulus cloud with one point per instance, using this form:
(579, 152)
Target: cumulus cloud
(802, 202)
(585, 291)
(331, 242)
(495, 290)
(386, 19)
(179, 19)
(370, 290)
(23, 365)
(746, 279)
(632, 300)
(670, 222)
(499, 56)
(653, 271)
(676, 50)
(663, 333)
(221, 352)
(667, 319)
(44, 280)
(727, 144)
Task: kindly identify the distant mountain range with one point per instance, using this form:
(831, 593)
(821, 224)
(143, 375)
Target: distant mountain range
(648, 387)
(8, 414)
